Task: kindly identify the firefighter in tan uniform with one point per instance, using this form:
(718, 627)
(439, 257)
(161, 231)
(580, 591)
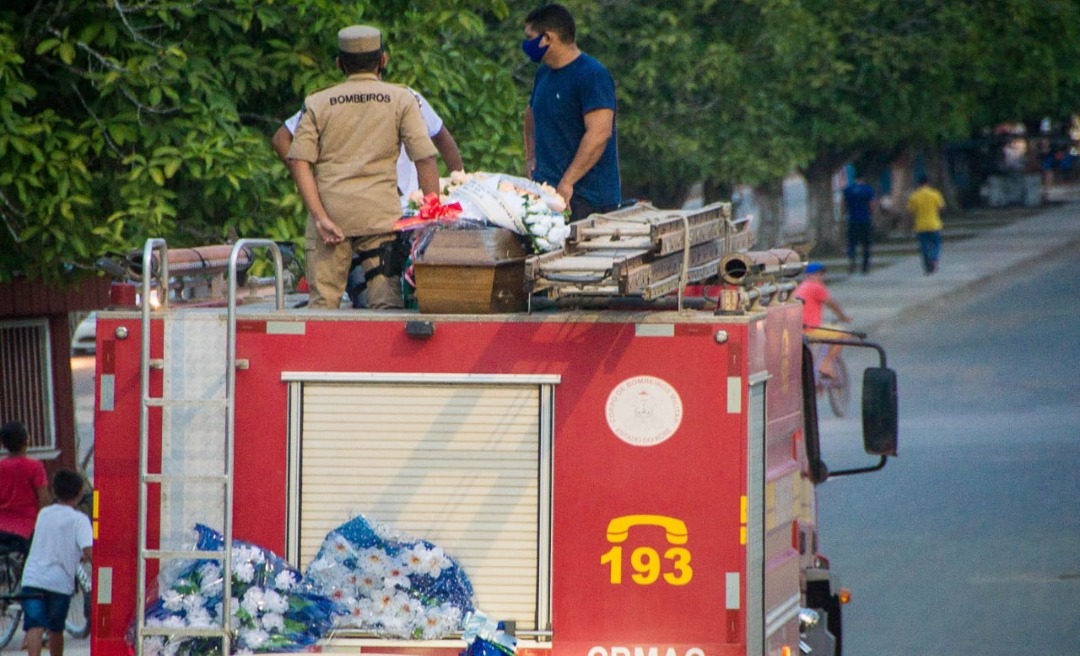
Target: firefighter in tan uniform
(351, 134)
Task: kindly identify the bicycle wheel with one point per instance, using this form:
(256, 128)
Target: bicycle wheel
(77, 624)
(10, 610)
(839, 389)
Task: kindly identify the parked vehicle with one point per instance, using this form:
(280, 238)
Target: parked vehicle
(84, 339)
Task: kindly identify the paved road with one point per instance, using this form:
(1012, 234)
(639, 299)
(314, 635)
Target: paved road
(968, 542)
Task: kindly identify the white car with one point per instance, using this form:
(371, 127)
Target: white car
(84, 339)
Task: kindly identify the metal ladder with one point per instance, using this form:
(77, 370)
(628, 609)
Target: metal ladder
(224, 478)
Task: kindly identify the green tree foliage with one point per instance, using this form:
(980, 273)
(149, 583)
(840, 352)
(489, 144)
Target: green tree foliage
(124, 120)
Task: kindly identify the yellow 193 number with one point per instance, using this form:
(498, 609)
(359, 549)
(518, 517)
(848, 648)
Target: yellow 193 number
(647, 566)
(646, 563)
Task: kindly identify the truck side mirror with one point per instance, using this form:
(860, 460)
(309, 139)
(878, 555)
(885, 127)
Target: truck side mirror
(879, 411)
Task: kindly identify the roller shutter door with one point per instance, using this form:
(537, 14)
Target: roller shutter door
(459, 465)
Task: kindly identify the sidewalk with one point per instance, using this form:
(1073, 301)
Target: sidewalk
(72, 647)
(973, 250)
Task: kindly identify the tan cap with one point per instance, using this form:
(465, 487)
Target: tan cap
(359, 39)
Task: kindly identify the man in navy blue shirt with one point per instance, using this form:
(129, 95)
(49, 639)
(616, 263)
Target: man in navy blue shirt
(570, 127)
(858, 202)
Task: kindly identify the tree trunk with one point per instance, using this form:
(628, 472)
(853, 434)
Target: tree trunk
(893, 216)
(768, 225)
(824, 216)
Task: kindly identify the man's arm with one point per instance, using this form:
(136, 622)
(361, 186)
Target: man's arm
(309, 191)
(87, 552)
(598, 126)
(281, 142)
(837, 310)
(529, 135)
(427, 173)
(448, 149)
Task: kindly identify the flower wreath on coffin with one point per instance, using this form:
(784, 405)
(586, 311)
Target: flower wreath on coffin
(532, 210)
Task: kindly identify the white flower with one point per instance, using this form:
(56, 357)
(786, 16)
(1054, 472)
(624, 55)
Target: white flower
(397, 577)
(209, 572)
(340, 548)
(248, 554)
(361, 613)
(172, 600)
(414, 559)
(367, 585)
(253, 638)
(244, 572)
(212, 587)
(256, 600)
(382, 601)
(440, 620)
(405, 607)
(193, 601)
(200, 617)
(273, 622)
(372, 561)
(285, 580)
(154, 646)
(275, 603)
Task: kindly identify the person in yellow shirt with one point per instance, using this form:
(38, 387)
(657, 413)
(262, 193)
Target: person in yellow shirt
(925, 204)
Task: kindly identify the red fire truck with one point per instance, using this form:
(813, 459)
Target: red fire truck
(616, 481)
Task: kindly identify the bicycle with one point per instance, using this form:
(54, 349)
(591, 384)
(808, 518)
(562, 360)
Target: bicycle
(12, 559)
(11, 562)
(837, 387)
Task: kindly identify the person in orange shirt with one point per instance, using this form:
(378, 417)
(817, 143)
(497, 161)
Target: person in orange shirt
(925, 204)
(24, 487)
(815, 295)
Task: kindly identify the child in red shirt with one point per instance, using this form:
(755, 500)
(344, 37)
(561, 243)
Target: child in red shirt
(24, 488)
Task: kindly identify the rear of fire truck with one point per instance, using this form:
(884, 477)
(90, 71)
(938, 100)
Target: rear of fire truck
(635, 479)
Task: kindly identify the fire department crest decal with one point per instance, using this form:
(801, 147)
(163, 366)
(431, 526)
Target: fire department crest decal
(644, 411)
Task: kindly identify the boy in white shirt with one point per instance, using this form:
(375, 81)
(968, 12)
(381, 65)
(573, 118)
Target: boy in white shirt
(63, 537)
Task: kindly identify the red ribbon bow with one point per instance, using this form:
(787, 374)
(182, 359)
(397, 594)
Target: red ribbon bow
(433, 209)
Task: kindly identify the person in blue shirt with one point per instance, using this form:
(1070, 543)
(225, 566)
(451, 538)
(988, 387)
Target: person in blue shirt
(859, 207)
(570, 121)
